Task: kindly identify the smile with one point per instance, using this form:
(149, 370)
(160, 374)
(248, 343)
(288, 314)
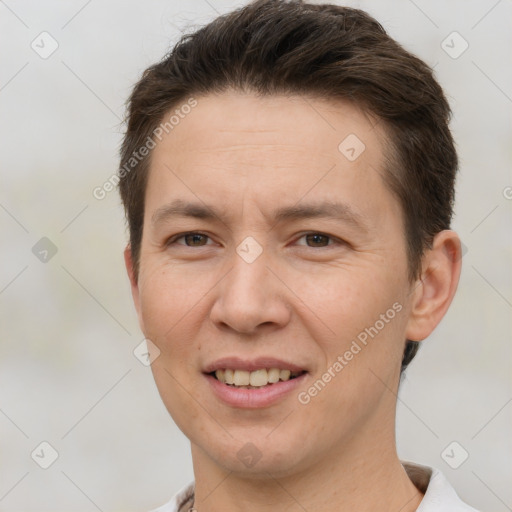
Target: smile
(254, 379)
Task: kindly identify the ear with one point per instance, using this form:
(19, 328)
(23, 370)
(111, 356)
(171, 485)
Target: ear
(434, 291)
(128, 261)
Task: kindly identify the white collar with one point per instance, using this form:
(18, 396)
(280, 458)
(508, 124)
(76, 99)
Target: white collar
(439, 494)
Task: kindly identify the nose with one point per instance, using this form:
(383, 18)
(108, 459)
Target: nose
(250, 299)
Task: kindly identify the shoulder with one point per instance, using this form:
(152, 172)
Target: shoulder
(439, 496)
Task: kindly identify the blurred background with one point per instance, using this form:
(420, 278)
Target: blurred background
(82, 425)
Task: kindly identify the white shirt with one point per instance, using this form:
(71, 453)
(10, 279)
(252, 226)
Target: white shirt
(439, 494)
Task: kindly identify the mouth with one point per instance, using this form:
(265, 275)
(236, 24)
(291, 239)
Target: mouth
(253, 384)
(256, 379)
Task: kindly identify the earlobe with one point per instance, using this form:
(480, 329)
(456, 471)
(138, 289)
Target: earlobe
(434, 291)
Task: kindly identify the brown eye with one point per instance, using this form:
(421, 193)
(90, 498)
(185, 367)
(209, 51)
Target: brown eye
(317, 240)
(195, 239)
(192, 239)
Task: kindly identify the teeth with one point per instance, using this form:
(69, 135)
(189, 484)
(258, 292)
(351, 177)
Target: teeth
(273, 375)
(229, 376)
(284, 374)
(241, 378)
(257, 378)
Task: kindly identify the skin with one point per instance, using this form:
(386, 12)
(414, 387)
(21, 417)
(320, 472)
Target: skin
(304, 300)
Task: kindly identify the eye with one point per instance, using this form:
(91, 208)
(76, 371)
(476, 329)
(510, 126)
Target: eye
(192, 239)
(318, 240)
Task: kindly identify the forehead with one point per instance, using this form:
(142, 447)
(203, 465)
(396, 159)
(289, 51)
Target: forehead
(267, 149)
(244, 119)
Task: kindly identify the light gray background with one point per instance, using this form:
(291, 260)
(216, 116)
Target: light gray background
(68, 375)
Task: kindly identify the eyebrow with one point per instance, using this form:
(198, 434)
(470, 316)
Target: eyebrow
(180, 208)
(324, 209)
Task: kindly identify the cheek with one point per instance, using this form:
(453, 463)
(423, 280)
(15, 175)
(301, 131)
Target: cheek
(360, 333)
(347, 300)
(169, 306)
(167, 292)
(167, 300)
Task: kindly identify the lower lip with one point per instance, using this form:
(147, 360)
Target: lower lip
(254, 398)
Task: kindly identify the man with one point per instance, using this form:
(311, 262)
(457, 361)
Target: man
(288, 179)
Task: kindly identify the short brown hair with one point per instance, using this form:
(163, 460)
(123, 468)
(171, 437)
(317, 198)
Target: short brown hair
(333, 52)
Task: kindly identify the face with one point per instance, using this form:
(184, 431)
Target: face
(273, 250)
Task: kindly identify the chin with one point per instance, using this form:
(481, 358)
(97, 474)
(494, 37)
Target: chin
(256, 455)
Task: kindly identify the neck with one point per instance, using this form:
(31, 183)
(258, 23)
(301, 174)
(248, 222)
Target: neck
(360, 475)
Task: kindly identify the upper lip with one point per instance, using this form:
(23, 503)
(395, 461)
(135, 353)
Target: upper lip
(237, 363)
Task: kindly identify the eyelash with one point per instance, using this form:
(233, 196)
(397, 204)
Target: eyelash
(172, 240)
